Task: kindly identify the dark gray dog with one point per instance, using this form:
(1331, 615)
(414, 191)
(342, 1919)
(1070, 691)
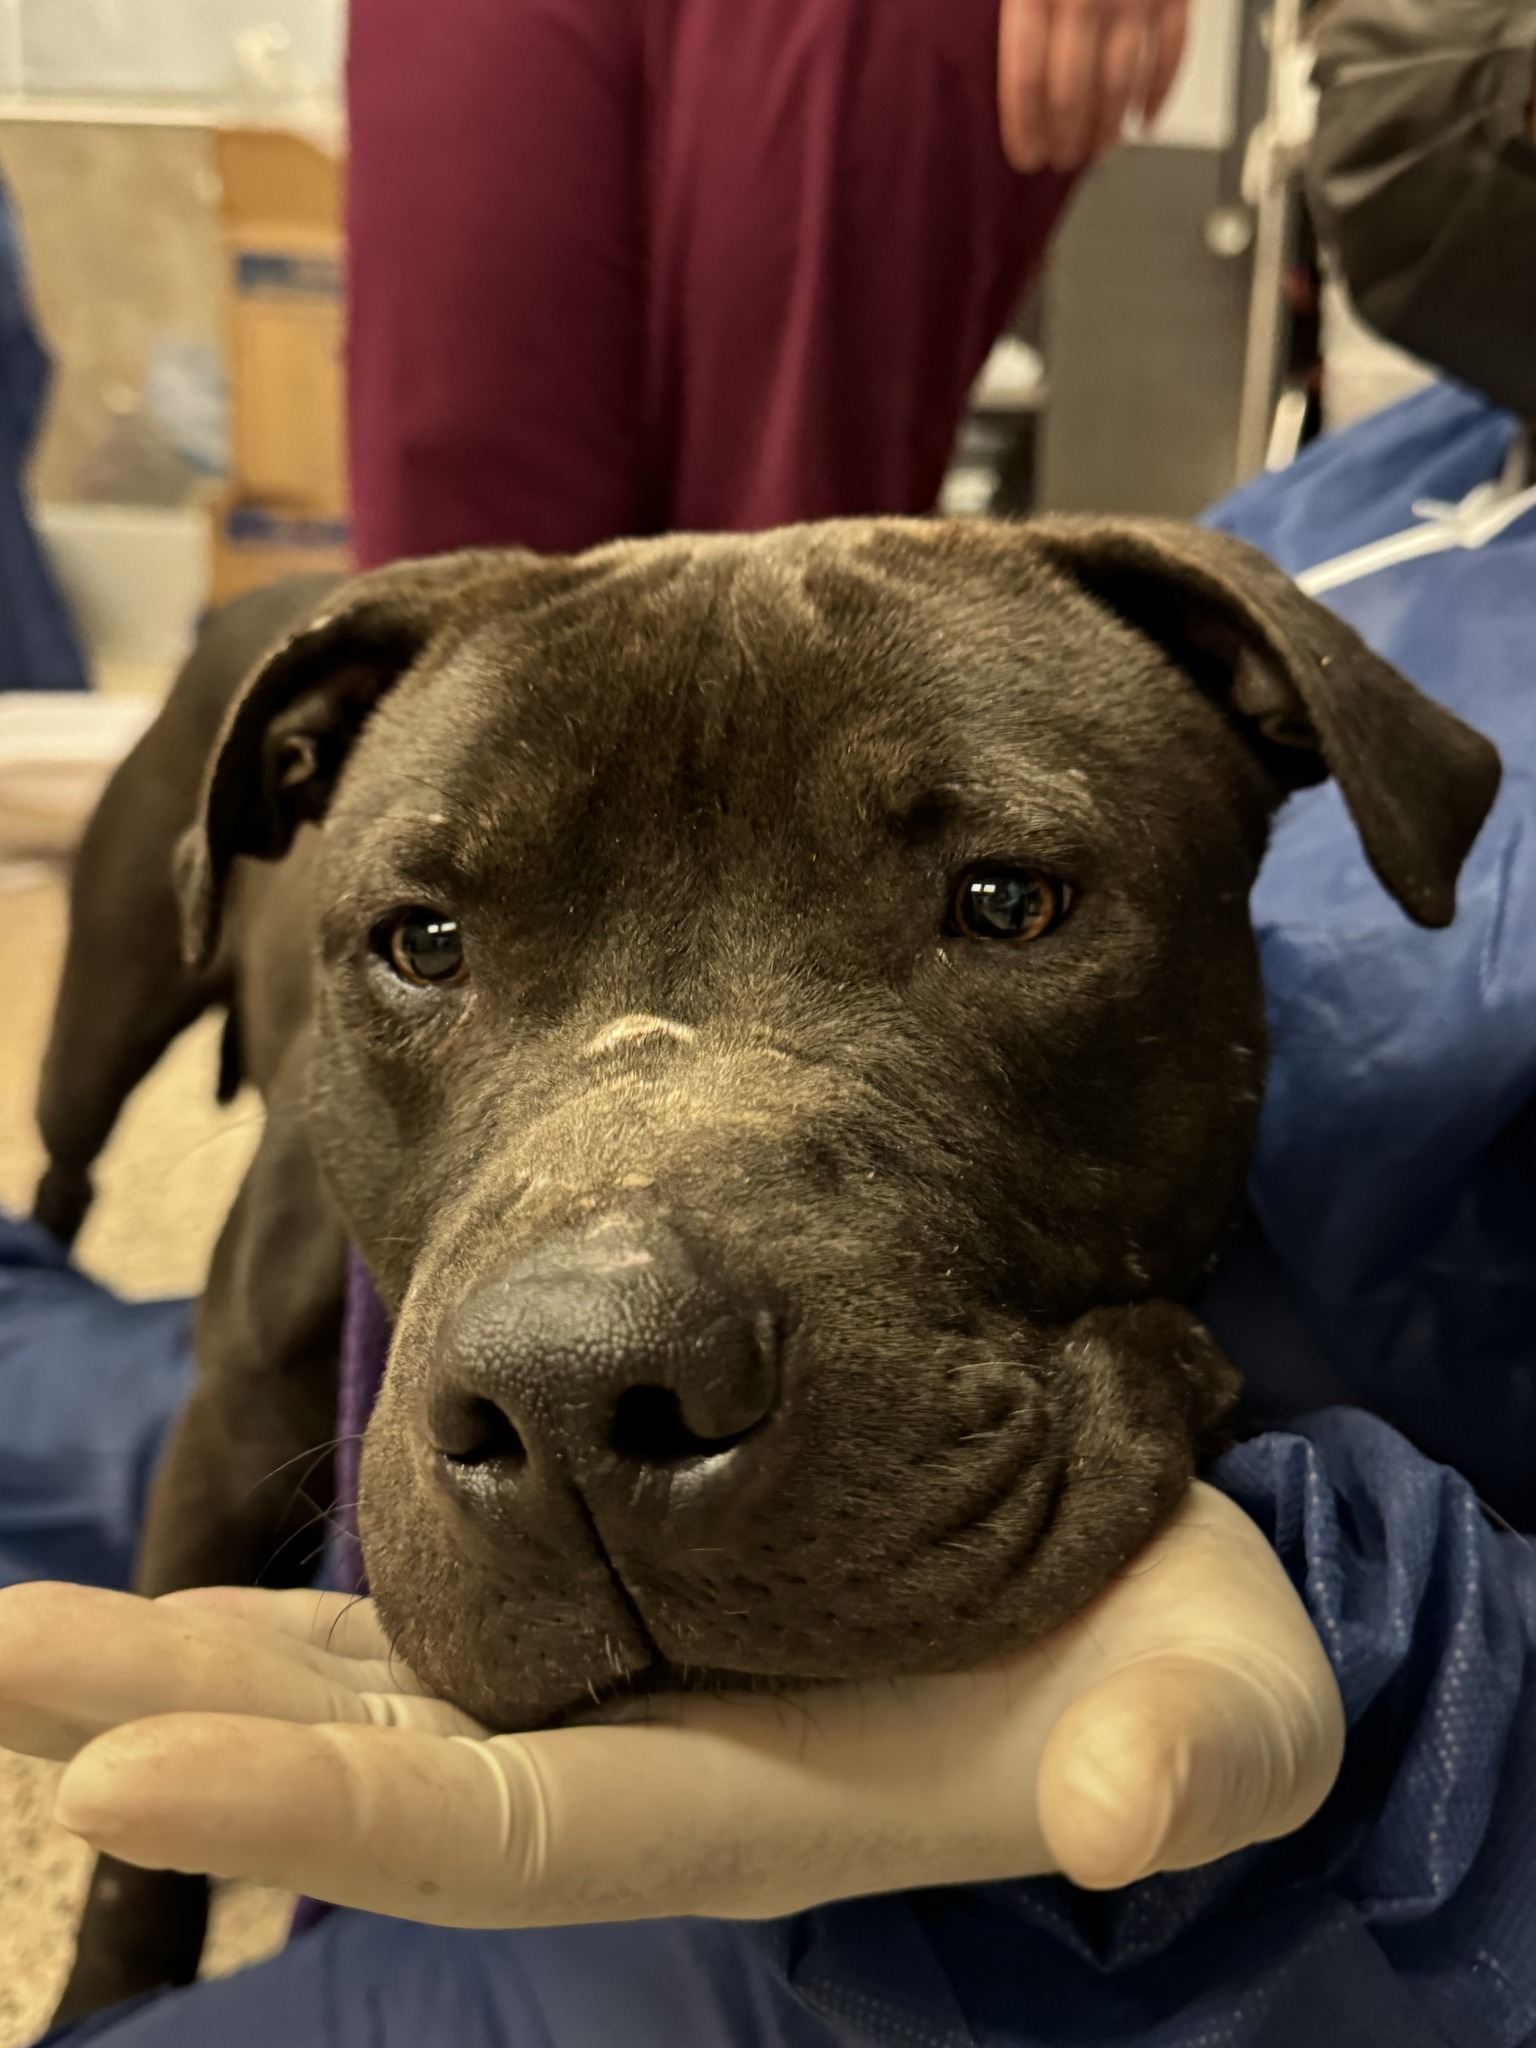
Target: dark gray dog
(780, 1019)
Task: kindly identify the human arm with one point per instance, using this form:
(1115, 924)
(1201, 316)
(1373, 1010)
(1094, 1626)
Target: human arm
(1069, 71)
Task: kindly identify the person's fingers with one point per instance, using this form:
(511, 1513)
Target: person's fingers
(1167, 36)
(47, 1732)
(1179, 1762)
(744, 1806)
(337, 1635)
(338, 1625)
(1218, 1721)
(420, 1713)
(340, 1638)
(1119, 70)
(1023, 45)
(1072, 81)
(75, 1660)
(50, 1638)
(1190, 1709)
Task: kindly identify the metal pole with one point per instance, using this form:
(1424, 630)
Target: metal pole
(1268, 320)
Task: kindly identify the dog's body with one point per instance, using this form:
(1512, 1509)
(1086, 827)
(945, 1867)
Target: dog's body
(780, 1021)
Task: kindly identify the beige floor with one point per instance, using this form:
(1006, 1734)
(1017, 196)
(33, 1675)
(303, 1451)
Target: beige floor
(165, 1183)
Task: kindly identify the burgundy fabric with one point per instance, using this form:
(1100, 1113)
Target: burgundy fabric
(624, 265)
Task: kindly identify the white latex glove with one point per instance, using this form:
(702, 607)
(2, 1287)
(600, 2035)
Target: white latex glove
(1189, 1710)
(1069, 71)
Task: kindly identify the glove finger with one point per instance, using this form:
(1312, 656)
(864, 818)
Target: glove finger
(340, 1624)
(420, 1712)
(383, 1819)
(1199, 1666)
(1215, 1720)
(1181, 1760)
(53, 1639)
(43, 1732)
(1023, 45)
(751, 1806)
(75, 1660)
(337, 1635)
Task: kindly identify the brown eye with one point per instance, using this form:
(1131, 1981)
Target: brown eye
(1014, 904)
(423, 947)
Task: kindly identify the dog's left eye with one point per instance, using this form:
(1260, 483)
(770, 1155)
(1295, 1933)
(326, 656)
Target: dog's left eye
(423, 947)
(1015, 904)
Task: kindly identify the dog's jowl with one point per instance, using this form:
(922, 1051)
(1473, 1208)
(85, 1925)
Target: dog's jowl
(780, 1021)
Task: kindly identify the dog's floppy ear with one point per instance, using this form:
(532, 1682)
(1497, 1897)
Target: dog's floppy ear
(287, 734)
(1309, 695)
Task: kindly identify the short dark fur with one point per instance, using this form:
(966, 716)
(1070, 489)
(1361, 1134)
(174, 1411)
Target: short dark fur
(898, 1229)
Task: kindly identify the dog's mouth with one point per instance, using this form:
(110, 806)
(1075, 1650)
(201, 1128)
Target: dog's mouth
(630, 1695)
(636, 1694)
(635, 1697)
(838, 1543)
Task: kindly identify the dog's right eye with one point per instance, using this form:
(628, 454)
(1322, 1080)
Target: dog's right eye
(422, 946)
(992, 901)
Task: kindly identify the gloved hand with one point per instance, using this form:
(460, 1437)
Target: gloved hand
(1069, 71)
(1189, 1710)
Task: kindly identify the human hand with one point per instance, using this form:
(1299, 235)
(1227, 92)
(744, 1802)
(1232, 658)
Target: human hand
(1069, 71)
(1189, 1710)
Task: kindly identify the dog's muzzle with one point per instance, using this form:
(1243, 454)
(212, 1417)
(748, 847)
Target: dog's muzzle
(614, 1363)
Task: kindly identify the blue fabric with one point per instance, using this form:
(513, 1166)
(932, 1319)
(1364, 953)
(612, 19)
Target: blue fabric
(1395, 1178)
(364, 1982)
(88, 1387)
(1391, 1264)
(38, 649)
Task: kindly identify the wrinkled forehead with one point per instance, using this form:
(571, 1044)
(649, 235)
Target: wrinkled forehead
(831, 693)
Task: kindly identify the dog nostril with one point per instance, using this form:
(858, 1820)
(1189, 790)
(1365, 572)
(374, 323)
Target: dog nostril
(480, 1434)
(648, 1425)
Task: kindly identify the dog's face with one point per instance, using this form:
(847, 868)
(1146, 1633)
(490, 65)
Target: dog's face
(787, 1033)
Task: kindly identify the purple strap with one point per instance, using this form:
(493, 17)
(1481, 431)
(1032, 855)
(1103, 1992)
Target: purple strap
(364, 1349)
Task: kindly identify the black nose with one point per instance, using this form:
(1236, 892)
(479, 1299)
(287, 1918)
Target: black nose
(597, 1356)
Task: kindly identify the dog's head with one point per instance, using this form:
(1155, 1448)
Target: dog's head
(788, 1034)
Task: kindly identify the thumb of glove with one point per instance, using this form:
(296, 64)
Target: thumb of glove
(1180, 1759)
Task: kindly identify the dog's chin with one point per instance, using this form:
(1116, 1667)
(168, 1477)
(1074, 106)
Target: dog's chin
(584, 1699)
(649, 1692)
(503, 1701)
(644, 1695)
(515, 1670)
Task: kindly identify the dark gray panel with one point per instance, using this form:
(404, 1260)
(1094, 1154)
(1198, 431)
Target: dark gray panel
(1143, 338)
